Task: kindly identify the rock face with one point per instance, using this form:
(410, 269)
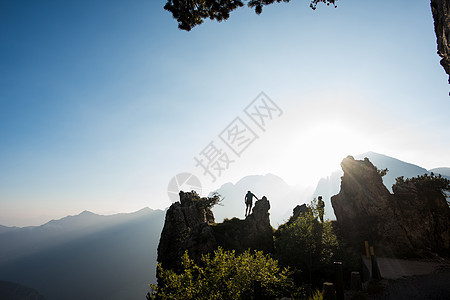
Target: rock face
(255, 232)
(189, 225)
(187, 222)
(424, 216)
(407, 223)
(440, 10)
(298, 211)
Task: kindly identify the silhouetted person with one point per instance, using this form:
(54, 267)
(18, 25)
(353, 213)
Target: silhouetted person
(321, 208)
(249, 202)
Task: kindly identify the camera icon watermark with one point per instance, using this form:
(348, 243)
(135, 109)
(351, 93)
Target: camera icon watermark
(183, 182)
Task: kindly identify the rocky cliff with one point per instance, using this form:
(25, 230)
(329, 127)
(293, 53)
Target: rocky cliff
(410, 222)
(440, 10)
(255, 232)
(189, 225)
(186, 222)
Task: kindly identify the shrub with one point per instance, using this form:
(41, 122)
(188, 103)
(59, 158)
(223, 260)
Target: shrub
(223, 275)
(307, 245)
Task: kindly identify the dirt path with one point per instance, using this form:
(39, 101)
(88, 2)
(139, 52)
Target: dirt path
(413, 280)
(434, 286)
(392, 268)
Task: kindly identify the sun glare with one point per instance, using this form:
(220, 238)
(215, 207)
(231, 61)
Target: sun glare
(320, 149)
(335, 140)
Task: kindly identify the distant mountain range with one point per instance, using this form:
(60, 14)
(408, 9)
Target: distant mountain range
(282, 197)
(443, 171)
(86, 256)
(89, 256)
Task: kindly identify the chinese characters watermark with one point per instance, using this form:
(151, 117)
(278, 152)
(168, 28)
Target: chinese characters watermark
(216, 157)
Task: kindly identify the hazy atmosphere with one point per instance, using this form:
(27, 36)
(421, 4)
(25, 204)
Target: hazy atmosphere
(102, 103)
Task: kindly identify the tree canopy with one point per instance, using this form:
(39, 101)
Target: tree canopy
(427, 183)
(190, 13)
(224, 275)
(308, 245)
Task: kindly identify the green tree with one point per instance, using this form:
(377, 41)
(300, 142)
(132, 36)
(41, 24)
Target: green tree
(307, 245)
(430, 185)
(190, 13)
(427, 183)
(223, 275)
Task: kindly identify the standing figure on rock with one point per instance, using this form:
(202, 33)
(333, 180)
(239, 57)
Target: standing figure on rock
(320, 208)
(248, 199)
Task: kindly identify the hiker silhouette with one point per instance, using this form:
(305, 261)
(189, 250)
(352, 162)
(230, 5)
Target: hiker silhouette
(248, 199)
(321, 208)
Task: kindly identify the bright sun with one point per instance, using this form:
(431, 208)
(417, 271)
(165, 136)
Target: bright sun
(318, 150)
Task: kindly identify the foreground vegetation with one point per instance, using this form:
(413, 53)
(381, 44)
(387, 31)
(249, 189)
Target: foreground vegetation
(224, 275)
(310, 248)
(305, 250)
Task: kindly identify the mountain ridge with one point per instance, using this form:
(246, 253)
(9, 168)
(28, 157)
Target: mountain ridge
(115, 259)
(103, 242)
(83, 214)
(444, 171)
(282, 205)
(284, 197)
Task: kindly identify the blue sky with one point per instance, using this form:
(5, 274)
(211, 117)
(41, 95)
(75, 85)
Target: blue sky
(103, 102)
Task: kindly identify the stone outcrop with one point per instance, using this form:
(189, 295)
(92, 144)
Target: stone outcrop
(441, 10)
(255, 232)
(187, 222)
(409, 222)
(298, 211)
(424, 216)
(189, 225)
